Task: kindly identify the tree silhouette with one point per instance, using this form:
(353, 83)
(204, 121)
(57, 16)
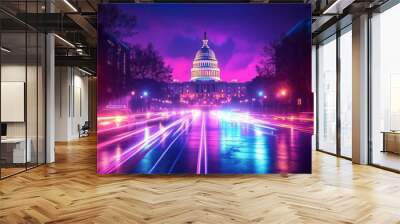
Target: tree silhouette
(286, 64)
(147, 63)
(266, 66)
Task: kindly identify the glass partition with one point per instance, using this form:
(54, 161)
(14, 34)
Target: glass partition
(326, 92)
(41, 96)
(13, 95)
(31, 97)
(385, 89)
(22, 88)
(346, 92)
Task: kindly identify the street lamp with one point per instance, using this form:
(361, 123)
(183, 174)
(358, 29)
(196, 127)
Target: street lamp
(145, 93)
(260, 93)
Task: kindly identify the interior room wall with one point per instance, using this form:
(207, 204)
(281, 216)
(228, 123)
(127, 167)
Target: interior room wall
(15, 73)
(80, 105)
(19, 73)
(71, 102)
(61, 103)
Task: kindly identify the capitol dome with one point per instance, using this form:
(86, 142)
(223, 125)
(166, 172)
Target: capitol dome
(205, 64)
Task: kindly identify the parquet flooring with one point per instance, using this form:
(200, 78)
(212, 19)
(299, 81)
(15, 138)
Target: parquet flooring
(70, 191)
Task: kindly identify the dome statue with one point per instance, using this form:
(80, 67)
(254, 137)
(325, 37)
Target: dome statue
(205, 64)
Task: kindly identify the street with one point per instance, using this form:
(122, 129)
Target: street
(204, 142)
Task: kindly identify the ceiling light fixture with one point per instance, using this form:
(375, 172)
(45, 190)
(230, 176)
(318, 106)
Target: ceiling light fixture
(5, 50)
(64, 40)
(329, 9)
(70, 5)
(337, 7)
(84, 71)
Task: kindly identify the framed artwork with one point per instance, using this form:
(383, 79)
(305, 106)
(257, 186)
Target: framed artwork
(204, 89)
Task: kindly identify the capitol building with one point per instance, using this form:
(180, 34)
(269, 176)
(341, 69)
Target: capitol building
(205, 88)
(205, 64)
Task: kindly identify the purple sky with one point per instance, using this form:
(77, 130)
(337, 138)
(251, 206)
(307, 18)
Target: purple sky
(237, 32)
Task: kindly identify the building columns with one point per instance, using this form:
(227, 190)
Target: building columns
(360, 90)
(50, 98)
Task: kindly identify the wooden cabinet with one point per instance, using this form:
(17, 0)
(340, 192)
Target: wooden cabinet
(391, 142)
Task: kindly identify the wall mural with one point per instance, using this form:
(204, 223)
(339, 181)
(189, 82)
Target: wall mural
(204, 89)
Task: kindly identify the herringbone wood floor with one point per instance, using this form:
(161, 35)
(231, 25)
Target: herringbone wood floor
(70, 191)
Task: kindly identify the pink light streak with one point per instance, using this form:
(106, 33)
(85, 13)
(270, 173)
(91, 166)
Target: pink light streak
(198, 170)
(145, 143)
(181, 131)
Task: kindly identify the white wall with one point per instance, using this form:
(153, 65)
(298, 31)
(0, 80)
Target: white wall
(14, 73)
(71, 102)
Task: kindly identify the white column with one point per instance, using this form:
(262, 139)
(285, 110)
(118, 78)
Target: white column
(50, 92)
(50, 98)
(360, 90)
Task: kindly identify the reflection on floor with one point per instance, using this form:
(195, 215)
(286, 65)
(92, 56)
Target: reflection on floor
(70, 191)
(11, 169)
(387, 159)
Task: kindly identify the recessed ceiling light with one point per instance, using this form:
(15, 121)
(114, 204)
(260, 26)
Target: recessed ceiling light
(5, 50)
(70, 5)
(84, 71)
(64, 40)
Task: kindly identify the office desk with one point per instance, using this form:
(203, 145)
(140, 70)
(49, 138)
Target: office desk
(13, 150)
(391, 141)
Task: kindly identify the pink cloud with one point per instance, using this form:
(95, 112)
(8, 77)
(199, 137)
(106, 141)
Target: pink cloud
(242, 74)
(181, 68)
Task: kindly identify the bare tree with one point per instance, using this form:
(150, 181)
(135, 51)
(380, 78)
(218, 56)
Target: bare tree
(147, 63)
(267, 65)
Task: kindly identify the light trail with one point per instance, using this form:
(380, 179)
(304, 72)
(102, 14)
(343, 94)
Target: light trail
(166, 150)
(205, 147)
(298, 127)
(161, 152)
(240, 117)
(120, 138)
(132, 151)
(198, 170)
(176, 160)
(124, 117)
(130, 124)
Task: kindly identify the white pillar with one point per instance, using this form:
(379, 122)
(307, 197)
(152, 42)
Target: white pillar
(50, 99)
(50, 92)
(360, 89)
